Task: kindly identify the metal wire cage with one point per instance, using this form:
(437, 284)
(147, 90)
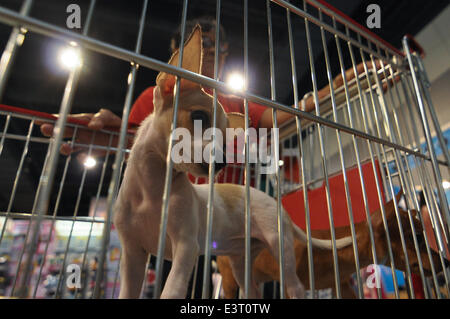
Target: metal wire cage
(344, 155)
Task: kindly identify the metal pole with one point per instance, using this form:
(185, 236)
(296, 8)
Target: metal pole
(10, 17)
(169, 168)
(115, 179)
(423, 78)
(212, 160)
(408, 185)
(248, 261)
(49, 170)
(275, 157)
(302, 155)
(323, 157)
(341, 155)
(397, 157)
(97, 197)
(355, 145)
(328, 28)
(436, 171)
(12, 47)
(381, 203)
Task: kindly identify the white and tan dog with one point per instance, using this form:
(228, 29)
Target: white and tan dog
(138, 206)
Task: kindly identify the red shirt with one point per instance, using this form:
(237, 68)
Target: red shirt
(143, 106)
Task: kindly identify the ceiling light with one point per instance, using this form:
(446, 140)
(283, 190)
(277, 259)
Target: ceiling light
(236, 82)
(90, 162)
(70, 58)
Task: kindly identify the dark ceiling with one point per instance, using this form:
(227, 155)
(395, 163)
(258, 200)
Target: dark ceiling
(37, 83)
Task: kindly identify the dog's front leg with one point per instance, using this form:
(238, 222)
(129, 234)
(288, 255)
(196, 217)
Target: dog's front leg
(184, 257)
(132, 271)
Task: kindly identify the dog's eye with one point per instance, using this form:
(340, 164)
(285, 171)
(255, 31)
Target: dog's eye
(200, 116)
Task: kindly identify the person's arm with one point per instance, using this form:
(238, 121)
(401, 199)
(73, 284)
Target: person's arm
(103, 119)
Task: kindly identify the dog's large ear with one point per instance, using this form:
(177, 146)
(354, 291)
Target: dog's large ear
(192, 61)
(237, 120)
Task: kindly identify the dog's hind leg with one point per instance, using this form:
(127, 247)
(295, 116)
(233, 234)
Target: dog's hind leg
(132, 271)
(294, 287)
(237, 264)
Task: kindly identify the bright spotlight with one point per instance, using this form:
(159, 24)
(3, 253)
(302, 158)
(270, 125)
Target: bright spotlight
(236, 82)
(70, 58)
(90, 162)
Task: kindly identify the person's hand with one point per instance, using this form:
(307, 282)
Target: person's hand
(104, 119)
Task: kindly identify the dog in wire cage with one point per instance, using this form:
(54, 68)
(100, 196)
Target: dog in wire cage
(137, 212)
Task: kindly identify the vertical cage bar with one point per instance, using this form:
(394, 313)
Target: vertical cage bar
(12, 47)
(49, 170)
(19, 169)
(425, 188)
(248, 264)
(342, 161)
(355, 144)
(13, 195)
(323, 156)
(275, 156)
(423, 79)
(27, 233)
(212, 160)
(302, 155)
(397, 158)
(97, 197)
(424, 117)
(408, 184)
(424, 231)
(434, 205)
(116, 277)
(75, 214)
(435, 211)
(169, 163)
(115, 179)
(5, 129)
(16, 179)
(194, 279)
(389, 135)
(312, 150)
(380, 197)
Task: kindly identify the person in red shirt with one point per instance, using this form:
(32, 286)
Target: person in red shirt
(259, 116)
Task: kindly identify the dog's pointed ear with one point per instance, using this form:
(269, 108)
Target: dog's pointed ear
(192, 61)
(237, 120)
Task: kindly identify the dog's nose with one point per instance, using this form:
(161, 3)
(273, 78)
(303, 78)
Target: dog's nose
(219, 166)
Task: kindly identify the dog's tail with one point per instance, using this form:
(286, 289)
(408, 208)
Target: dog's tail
(321, 243)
